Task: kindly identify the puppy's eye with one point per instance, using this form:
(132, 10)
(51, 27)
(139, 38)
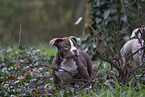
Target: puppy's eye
(66, 47)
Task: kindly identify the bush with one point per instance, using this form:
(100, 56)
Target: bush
(25, 72)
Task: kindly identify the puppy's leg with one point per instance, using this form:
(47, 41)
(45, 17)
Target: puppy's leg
(83, 72)
(56, 81)
(89, 66)
(90, 69)
(81, 69)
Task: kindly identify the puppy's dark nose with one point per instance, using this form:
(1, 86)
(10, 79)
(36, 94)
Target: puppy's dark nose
(75, 51)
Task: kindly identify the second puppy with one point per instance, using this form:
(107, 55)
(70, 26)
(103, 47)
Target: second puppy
(133, 45)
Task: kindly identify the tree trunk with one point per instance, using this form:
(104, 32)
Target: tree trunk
(87, 18)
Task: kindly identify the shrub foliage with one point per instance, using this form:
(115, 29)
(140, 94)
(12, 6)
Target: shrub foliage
(25, 72)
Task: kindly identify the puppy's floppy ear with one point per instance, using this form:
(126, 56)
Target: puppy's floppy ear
(74, 39)
(137, 32)
(55, 42)
(134, 33)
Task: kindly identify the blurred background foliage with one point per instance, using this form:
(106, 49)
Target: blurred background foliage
(111, 19)
(41, 20)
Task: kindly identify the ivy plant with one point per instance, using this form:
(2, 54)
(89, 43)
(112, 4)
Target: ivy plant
(108, 16)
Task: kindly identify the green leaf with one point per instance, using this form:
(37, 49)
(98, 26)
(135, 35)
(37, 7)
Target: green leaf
(106, 14)
(124, 18)
(84, 37)
(98, 20)
(98, 3)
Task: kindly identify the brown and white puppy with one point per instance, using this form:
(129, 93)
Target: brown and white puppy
(72, 63)
(133, 45)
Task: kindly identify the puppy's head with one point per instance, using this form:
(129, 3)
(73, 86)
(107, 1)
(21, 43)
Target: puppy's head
(67, 47)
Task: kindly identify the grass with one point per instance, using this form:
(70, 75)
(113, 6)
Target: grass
(49, 51)
(46, 49)
(117, 91)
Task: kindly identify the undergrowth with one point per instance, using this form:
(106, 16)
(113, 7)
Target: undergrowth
(27, 73)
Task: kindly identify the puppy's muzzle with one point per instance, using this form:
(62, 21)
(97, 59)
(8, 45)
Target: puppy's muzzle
(75, 52)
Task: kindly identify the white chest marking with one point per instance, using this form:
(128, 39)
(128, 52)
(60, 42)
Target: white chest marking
(69, 65)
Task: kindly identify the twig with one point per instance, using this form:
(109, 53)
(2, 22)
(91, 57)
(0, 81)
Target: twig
(143, 47)
(112, 63)
(34, 95)
(92, 76)
(128, 4)
(17, 63)
(67, 72)
(18, 54)
(19, 41)
(92, 28)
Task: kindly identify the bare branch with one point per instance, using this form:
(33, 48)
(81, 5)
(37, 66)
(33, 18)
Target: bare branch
(112, 63)
(92, 76)
(143, 47)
